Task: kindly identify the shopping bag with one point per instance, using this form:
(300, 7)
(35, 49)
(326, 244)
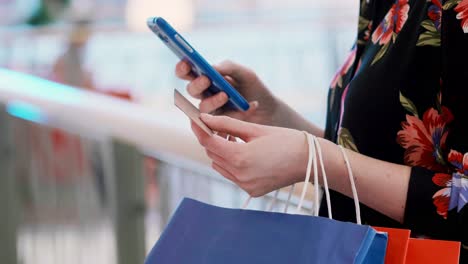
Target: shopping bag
(397, 244)
(201, 233)
(426, 251)
(403, 249)
(378, 249)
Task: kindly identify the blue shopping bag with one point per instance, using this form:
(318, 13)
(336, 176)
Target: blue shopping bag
(203, 234)
(378, 249)
(200, 233)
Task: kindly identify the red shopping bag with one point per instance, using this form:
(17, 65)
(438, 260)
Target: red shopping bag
(397, 246)
(426, 251)
(403, 249)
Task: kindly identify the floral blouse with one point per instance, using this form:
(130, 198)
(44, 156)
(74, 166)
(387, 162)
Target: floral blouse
(402, 96)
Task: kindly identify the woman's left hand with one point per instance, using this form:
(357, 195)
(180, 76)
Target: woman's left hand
(274, 157)
(270, 158)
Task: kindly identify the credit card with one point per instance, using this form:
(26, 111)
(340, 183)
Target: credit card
(190, 110)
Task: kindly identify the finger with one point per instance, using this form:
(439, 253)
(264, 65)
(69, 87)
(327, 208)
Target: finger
(227, 136)
(196, 87)
(234, 127)
(224, 172)
(216, 158)
(183, 70)
(220, 161)
(254, 105)
(231, 69)
(230, 80)
(215, 143)
(210, 104)
(198, 131)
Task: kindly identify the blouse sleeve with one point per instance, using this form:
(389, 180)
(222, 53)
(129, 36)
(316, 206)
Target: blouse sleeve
(436, 205)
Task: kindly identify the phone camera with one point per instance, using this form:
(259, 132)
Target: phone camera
(163, 38)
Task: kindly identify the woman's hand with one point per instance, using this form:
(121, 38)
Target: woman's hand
(262, 103)
(270, 158)
(264, 109)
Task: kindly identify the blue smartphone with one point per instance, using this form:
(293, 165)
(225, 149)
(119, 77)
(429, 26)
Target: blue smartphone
(200, 66)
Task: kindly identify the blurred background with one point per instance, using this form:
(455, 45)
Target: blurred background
(91, 174)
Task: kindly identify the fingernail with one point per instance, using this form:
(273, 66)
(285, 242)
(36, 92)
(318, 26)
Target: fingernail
(223, 96)
(255, 104)
(206, 81)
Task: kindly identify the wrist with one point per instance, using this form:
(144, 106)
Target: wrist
(335, 166)
(279, 113)
(284, 116)
(332, 162)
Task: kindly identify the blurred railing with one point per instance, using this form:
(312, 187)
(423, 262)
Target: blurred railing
(86, 178)
(296, 61)
(90, 179)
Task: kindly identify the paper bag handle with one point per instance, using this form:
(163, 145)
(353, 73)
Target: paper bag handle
(314, 149)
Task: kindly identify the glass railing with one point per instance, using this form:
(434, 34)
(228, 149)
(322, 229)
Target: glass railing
(92, 179)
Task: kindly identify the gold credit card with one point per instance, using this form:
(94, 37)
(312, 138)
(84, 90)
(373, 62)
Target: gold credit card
(190, 110)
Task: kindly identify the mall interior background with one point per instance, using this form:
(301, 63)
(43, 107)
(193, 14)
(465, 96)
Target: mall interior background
(65, 208)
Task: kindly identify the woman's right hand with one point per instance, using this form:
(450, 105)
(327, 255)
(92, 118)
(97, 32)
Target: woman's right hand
(262, 103)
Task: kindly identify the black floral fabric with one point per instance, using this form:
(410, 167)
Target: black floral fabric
(402, 96)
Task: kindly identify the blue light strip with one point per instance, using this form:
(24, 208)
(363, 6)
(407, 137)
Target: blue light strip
(26, 111)
(40, 88)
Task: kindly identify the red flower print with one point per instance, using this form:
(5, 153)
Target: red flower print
(424, 140)
(338, 79)
(459, 160)
(462, 14)
(455, 191)
(435, 13)
(392, 23)
(442, 197)
(368, 31)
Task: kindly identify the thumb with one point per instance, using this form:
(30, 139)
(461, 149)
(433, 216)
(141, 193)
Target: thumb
(224, 124)
(230, 69)
(254, 105)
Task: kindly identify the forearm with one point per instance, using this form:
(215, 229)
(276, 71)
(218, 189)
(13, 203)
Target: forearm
(381, 185)
(285, 116)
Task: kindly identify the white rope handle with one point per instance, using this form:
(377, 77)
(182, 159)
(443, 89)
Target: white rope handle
(273, 201)
(353, 186)
(316, 150)
(291, 191)
(311, 159)
(246, 203)
(316, 180)
(324, 176)
(309, 165)
(314, 146)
